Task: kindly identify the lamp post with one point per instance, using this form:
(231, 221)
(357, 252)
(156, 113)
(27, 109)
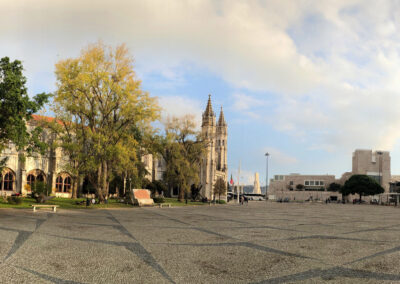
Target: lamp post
(238, 186)
(266, 178)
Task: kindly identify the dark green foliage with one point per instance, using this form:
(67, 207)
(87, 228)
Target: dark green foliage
(41, 188)
(334, 187)
(155, 186)
(14, 200)
(219, 188)
(158, 200)
(362, 185)
(16, 108)
(160, 186)
(221, 201)
(182, 150)
(299, 187)
(195, 192)
(41, 192)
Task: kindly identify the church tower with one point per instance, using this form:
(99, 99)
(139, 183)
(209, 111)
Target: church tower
(207, 171)
(221, 138)
(214, 162)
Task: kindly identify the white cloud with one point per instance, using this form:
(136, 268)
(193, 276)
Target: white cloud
(332, 66)
(243, 102)
(180, 106)
(277, 157)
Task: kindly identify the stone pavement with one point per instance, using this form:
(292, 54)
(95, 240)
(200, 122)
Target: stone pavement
(259, 243)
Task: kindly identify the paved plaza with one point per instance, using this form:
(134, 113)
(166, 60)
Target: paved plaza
(258, 243)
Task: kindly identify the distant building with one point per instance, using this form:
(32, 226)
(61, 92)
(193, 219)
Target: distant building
(374, 164)
(297, 182)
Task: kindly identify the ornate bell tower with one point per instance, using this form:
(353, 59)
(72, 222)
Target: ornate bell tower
(214, 163)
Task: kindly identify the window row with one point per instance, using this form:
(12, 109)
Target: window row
(314, 182)
(7, 181)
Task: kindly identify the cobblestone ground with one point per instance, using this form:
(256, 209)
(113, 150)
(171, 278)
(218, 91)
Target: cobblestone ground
(258, 243)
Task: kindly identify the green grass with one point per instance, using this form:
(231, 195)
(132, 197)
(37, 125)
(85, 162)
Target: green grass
(68, 203)
(175, 202)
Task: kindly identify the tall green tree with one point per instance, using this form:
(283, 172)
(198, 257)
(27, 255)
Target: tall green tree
(16, 108)
(334, 187)
(182, 149)
(219, 188)
(99, 94)
(362, 185)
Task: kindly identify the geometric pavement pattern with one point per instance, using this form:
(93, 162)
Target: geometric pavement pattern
(256, 243)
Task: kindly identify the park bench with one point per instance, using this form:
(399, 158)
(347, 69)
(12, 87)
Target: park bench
(44, 206)
(160, 205)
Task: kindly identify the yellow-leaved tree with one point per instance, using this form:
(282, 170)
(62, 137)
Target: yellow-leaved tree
(101, 108)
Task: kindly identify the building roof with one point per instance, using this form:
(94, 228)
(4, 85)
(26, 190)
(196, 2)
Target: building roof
(221, 120)
(209, 111)
(39, 118)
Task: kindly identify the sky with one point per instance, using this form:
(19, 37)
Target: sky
(306, 81)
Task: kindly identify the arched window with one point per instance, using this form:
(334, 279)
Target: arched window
(30, 179)
(8, 183)
(67, 184)
(40, 177)
(59, 184)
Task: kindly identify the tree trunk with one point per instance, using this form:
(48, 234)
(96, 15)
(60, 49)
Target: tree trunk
(98, 186)
(181, 195)
(124, 192)
(74, 187)
(105, 183)
(360, 198)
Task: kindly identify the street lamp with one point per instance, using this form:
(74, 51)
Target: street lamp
(266, 178)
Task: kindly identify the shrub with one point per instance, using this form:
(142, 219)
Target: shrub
(41, 188)
(14, 200)
(158, 200)
(221, 201)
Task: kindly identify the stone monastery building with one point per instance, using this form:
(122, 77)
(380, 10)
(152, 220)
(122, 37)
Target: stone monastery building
(18, 175)
(50, 168)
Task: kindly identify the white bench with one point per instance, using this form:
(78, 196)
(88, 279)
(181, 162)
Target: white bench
(44, 206)
(164, 205)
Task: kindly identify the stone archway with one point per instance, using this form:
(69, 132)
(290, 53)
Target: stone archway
(34, 176)
(7, 182)
(64, 182)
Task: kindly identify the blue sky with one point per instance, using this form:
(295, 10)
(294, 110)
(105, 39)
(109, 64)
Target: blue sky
(307, 81)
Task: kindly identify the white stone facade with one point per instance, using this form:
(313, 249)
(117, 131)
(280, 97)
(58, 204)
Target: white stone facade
(49, 168)
(214, 163)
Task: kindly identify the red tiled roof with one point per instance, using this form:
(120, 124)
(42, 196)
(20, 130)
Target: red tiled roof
(36, 117)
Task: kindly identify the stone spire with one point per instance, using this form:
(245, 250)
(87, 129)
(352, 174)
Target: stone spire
(221, 120)
(209, 110)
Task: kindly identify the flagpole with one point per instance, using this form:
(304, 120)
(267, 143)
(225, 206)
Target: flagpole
(238, 186)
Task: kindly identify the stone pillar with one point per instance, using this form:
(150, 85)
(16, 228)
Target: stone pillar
(22, 182)
(51, 181)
